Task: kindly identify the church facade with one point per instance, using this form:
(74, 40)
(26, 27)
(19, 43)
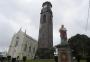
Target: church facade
(22, 45)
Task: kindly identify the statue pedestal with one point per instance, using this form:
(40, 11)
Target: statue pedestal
(64, 53)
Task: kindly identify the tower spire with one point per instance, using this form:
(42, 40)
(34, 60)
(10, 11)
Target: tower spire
(25, 31)
(20, 29)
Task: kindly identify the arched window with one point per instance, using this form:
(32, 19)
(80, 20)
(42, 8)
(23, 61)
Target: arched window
(16, 43)
(44, 18)
(25, 47)
(30, 49)
(34, 50)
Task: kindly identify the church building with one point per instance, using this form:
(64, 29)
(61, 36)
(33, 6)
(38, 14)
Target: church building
(22, 45)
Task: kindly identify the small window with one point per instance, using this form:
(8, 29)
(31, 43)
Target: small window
(17, 37)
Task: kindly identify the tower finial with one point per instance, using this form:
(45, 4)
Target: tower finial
(20, 29)
(25, 31)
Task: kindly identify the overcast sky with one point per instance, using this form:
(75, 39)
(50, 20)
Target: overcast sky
(26, 14)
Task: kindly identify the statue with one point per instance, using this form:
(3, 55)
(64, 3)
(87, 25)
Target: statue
(63, 33)
(64, 51)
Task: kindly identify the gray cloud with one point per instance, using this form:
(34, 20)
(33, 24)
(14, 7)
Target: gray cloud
(26, 14)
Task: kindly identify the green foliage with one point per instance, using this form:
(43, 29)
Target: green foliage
(80, 45)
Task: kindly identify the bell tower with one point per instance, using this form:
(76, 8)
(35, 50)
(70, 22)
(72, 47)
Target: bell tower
(45, 40)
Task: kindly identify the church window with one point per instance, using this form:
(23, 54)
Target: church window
(30, 49)
(25, 47)
(16, 43)
(44, 18)
(17, 37)
(33, 49)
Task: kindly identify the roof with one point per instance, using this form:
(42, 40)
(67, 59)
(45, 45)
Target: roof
(20, 31)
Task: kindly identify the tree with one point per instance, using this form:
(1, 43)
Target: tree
(80, 45)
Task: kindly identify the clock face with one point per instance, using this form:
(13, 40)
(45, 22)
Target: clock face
(45, 6)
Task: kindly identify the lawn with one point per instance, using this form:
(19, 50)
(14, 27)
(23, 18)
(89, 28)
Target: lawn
(48, 60)
(83, 61)
(41, 60)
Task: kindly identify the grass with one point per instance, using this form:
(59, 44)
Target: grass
(83, 61)
(47, 60)
(41, 60)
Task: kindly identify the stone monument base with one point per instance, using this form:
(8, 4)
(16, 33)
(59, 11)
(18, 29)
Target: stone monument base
(64, 54)
(45, 53)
